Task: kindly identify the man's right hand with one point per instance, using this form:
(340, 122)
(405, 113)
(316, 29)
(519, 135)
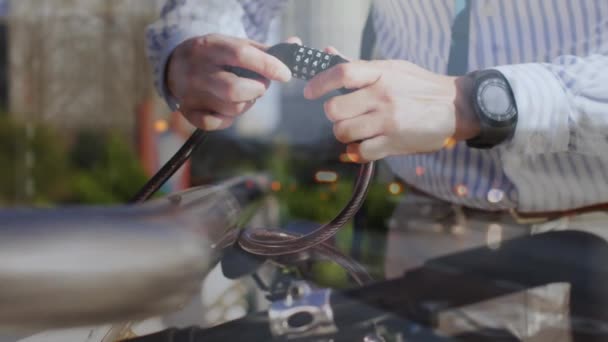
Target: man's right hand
(211, 97)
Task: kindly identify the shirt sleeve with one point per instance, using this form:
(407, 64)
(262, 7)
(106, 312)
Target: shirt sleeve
(181, 20)
(562, 106)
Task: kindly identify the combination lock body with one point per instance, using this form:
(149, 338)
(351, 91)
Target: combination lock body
(304, 62)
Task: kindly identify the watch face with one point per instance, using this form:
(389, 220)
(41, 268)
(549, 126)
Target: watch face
(495, 101)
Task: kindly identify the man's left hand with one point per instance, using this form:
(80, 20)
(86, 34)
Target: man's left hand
(397, 108)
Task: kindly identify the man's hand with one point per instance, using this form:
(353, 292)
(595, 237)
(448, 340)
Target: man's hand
(398, 108)
(211, 97)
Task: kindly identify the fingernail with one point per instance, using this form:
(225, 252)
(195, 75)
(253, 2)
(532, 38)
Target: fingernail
(212, 122)
(294, 40)
(285, 74)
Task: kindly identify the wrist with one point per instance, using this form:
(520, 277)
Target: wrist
(467, 122)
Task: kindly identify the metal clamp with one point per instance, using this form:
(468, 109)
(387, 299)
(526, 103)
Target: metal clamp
(305, 312)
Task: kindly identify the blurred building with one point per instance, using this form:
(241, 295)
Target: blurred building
(81, 63)
(4, 12)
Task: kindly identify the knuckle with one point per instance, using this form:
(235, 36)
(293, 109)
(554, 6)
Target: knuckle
(381, 124)
(232, 93)
(331, 110)
(238, 53)
(234, 109)
(385, 96)
(390, 124)
(365, 152)
(202, 44)
(270, 69)
(225, 89)
(341, 70)
(345, 72)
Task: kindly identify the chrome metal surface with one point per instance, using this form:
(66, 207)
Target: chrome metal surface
(88, 266)
(303, 301)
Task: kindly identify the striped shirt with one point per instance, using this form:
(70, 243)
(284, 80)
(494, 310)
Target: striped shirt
(553, 52)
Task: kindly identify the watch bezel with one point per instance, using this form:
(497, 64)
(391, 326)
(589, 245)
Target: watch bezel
(482, 86)
(493, 132)
(497, 76)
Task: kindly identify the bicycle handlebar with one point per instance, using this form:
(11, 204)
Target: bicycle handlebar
(88, 266)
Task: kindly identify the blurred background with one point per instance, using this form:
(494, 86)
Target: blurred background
(82, 124)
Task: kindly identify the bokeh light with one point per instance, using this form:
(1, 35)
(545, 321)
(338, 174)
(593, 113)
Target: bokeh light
(449, 143)
(161, 126)
(495, 195)
(395, 188)
(326, 177)
(494, 236)
(461, 190)
(276, 186)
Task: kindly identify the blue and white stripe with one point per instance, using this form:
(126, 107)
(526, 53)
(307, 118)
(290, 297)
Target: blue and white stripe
(554, 52)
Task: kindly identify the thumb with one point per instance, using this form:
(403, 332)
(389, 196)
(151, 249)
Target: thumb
(294, 40)
(333, 51)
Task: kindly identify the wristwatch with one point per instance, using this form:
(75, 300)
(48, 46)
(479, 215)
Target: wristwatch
(494, 105)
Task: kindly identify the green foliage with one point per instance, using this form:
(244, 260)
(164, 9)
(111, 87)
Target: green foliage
(42, 167)
(321, 202)
(105, 170)
(34, 164)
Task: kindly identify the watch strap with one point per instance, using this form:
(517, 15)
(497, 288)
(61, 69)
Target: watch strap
(490, 137)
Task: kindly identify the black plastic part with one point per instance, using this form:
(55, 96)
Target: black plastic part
(255, 327)
(288, 54)
(283, 52)
(169, 169)
(237, 263)
(300, 319)
(246, 192)
(245, 73)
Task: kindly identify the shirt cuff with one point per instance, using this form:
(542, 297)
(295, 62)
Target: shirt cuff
(166, 35)
(543, 111)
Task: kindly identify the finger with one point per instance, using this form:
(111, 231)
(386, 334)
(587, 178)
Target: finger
(208, 121)
(215, 105)
(351, 105)
(360, 128)
(331, 50)
(294, 40)
(352, 75)
(369, 150)
(243, 54)
(229, 87)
